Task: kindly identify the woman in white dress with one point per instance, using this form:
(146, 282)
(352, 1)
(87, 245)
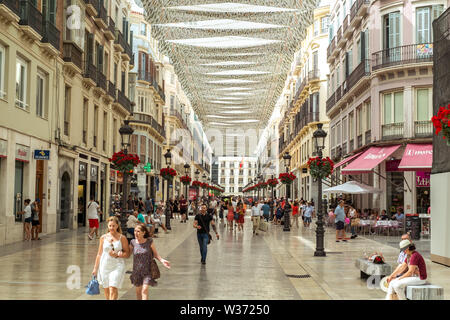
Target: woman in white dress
(109, 267)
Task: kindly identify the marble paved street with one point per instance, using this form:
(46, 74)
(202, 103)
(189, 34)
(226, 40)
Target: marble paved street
(272, 265)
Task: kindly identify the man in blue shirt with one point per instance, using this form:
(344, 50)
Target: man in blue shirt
(308, 214)
(266, 211)
(340, 221)
(399, 216)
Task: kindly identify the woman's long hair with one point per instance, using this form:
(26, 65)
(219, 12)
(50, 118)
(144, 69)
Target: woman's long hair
(144, 229)
(114, 219)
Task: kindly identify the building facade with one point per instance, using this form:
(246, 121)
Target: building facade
(380, 96)
(306, 104)
(236, 172)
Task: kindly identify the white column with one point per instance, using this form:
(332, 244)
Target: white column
(410, 195)
(440, 219)
(408, 113)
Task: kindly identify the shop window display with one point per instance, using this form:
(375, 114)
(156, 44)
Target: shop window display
(395, 192)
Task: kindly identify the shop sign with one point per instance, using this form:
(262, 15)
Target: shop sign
(42, 154)
(22, 153)
(422, 179)
(82, 171)
(112, 175)
(94, 173)
(3, 148)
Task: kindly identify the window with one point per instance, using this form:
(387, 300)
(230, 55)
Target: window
(350, 61)
(172, 103)
(143, 29)
(316, 27)
(105, 129)
(368, 118)
(393, 107)
(424, 100)
(2, 72)
(344, 129)
(338, 133)
(359, 122)
(324, 23)
(41, 94)
(424, 19)
(21, 83)
(85, 119)
(391, 30)
(115, 131)
(95, 126)
(67, 102)
(351, 132)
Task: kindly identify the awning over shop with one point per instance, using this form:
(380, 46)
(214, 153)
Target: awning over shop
(342, 162)
(369, 159)
(417, 157)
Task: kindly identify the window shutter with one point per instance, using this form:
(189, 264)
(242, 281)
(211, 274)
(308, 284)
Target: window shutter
(363, 45)
(90, 48)
(100, 58)
(346, 65)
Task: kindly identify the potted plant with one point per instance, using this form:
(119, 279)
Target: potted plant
(124, 162)
(441, 122)
(168, 173)
(287, 178)
(320, 167)
(186, 180)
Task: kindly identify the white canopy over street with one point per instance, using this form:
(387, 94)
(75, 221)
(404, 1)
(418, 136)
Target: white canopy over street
(241, 47)
(353, 187)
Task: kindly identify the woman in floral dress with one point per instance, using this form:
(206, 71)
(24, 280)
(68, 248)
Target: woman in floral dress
(143, 251)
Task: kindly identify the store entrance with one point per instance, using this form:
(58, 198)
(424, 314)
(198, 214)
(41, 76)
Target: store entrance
(65, 201)
(395, 192)
(82, 203)
(39, 190)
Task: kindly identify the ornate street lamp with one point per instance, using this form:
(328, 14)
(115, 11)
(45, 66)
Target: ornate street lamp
(287, 207)
(197, 176)
(319, 141)
(204, 181)
(168, 213)
(125, 133)
(186, 171)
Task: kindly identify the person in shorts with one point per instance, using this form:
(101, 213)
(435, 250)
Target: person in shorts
(28, 219)
(183, 209)
(340, 221)
(309, 211)
(35, 220)
(93, 210)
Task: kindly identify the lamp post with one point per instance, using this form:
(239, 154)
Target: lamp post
(204, 181)
(197, 175)
(272, 203)
(186, 171)
(319, 140)
(125, 133)
(168, 213)
(287, 207)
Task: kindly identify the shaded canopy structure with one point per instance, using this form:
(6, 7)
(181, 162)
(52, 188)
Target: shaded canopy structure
(232, 57)
(353, 187)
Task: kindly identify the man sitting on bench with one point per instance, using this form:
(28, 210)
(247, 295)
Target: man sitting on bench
(416, 273)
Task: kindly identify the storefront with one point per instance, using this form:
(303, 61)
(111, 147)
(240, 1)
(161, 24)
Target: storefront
(22, 164)
(82, 189)
(395, 194)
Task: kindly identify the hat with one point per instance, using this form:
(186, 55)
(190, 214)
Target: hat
(404, 244)
(384, 285)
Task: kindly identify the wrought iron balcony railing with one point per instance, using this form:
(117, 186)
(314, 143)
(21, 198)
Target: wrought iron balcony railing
(112, 90)
(356, 6)
(101, 80)
(124, 101)
(51, 34)
(31, 16)
(71, 53)
(414, 53)
(90, 71)
(13, 5)
(392, 131)
(423, 129)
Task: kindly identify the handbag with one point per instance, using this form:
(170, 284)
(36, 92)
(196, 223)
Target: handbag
(93, 287)
(154, 269)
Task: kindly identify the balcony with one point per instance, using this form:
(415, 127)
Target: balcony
(339, 93)
(339, 37)
(90, 72)
(110, 31)
(144, 75)
(414, 53)
(30, 16)
(313, 75)
(51, 34)
(330, 102)
(91, 7)
(101, 20)
(101, 81)
(331, 51)
(360, 141)
(73, 54)
(347, 32)
(124, 101)
(362, 70)
(368, 137)
(12, 5)
(111, 90)
(423, 129)
(358, 10)
(392, 131)
(148, 119)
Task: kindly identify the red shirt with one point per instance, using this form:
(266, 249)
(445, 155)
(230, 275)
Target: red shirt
(417, 260)
(295, 210)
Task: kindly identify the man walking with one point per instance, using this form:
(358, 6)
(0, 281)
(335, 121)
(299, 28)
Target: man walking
(340, 221)
(309, 211)
(256, 216)
(201, 223)
(183, 209)
(93, 210)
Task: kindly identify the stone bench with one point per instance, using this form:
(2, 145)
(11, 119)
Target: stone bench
(425, 292)
(368, 268)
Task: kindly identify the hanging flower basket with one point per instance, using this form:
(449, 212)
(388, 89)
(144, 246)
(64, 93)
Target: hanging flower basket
(441, 122)
(287, 178)
(320, 167)
(124, 162)
(272, 182)
(197, 184)
(186, 180)
(168, 173)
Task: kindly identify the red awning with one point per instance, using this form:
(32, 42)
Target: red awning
(369, 159)
(417, 157)
(342, 162)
